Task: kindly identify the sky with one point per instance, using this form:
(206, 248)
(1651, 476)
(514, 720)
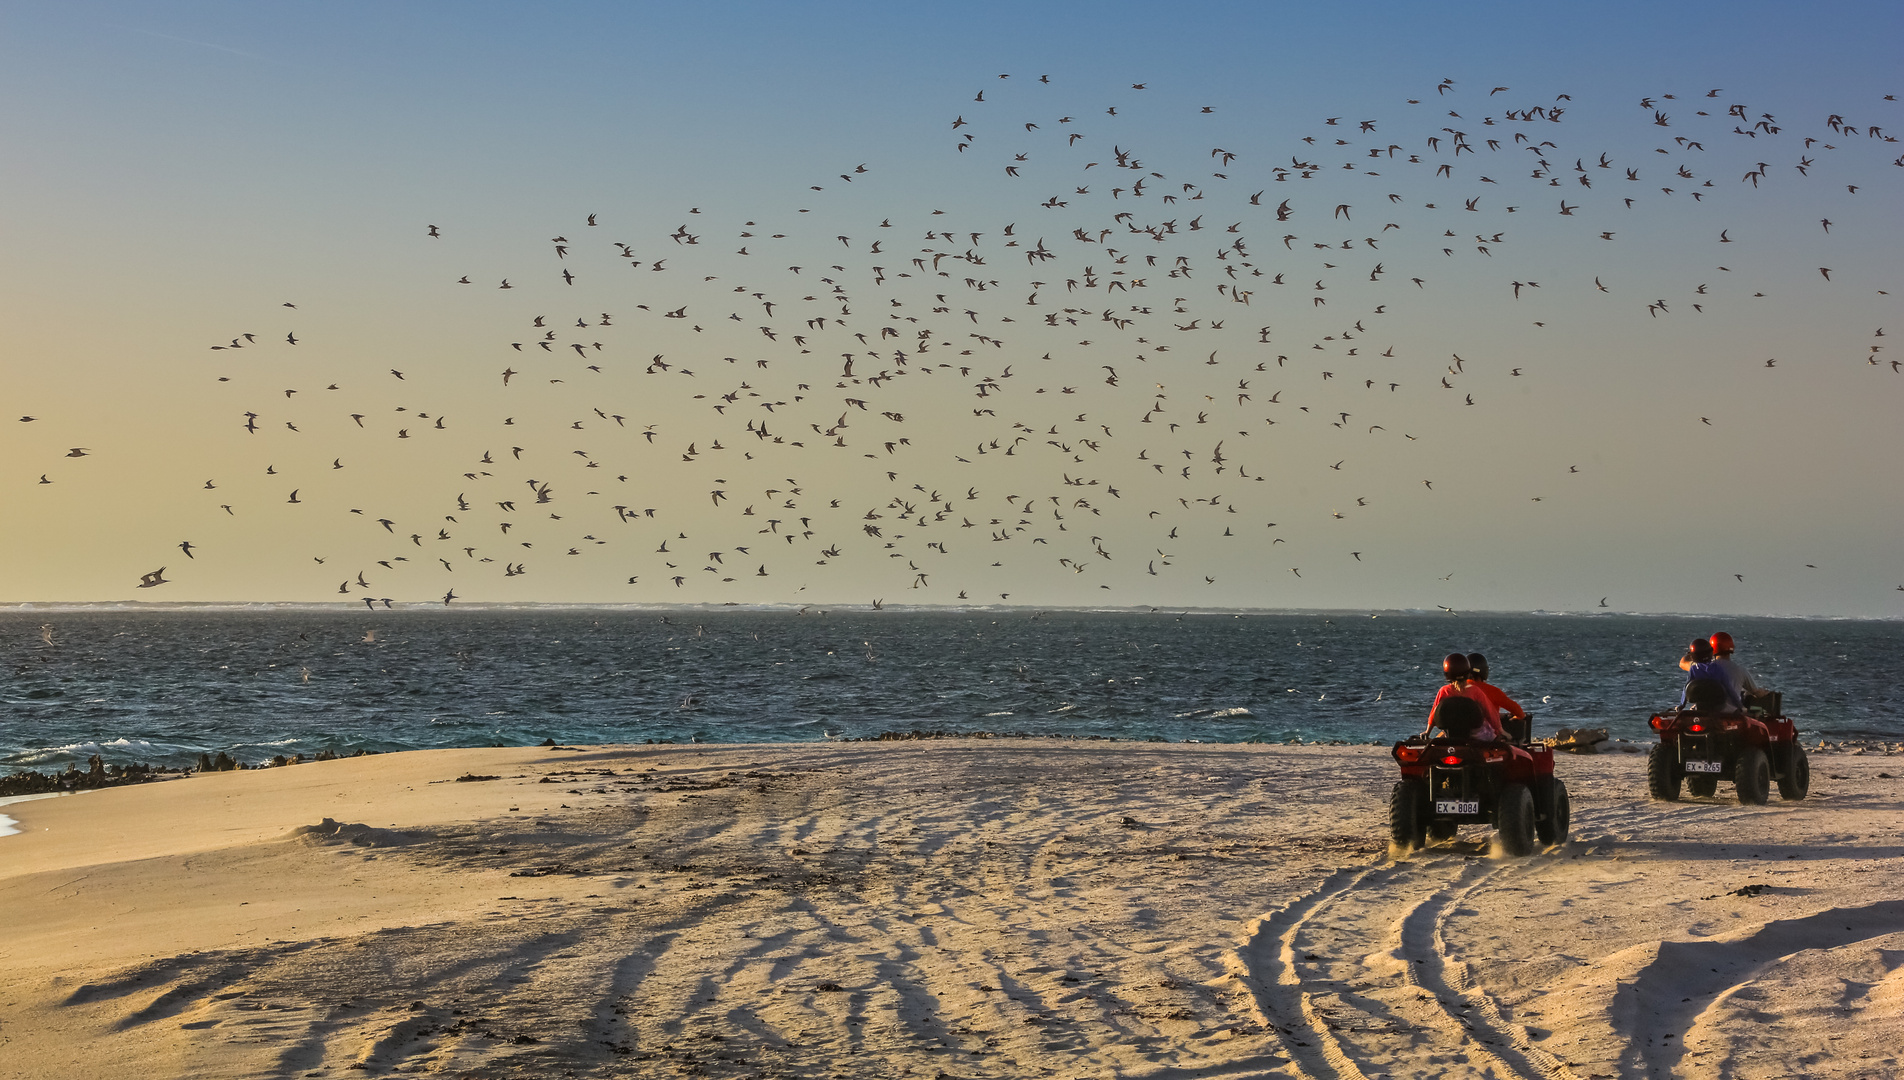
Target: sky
(1484, 307)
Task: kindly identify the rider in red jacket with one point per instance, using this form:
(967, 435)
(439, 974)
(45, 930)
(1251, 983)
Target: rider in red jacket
(1498, 702)
(1460, 684)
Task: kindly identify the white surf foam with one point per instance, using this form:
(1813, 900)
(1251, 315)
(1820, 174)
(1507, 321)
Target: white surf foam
(9, 826)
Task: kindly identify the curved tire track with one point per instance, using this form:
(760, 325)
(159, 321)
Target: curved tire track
(1269, 959)
(1448, 976)
(1351, 1017)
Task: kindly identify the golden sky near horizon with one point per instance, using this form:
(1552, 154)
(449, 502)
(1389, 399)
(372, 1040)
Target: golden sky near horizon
(1076, 341)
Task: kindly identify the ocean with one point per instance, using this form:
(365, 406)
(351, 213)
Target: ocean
(162, 686)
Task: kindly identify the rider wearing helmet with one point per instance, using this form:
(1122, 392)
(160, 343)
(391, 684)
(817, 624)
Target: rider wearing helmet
(1742, 681)
(1701, 667)
(1744, 686)
(1459, 673)
(1498, 701)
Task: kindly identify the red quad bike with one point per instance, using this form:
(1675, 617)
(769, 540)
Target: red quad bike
(1447, 783)
(1703, 747)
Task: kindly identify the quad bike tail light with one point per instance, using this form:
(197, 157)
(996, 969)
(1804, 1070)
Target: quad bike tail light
(1695, 727)
(1659, 723)
(1451, 759)
(1408, 755)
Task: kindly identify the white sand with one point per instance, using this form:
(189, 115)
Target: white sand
(955, 909)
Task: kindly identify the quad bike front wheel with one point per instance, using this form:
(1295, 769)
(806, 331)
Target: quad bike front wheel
(1795, 781)
(1553, 811)
(1514, 821)
(1702, 785)
(1754, 781)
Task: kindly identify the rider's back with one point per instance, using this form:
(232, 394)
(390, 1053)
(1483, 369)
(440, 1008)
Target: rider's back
(1458, 713)
(1709, 688)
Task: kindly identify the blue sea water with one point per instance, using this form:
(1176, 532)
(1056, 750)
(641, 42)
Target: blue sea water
(162, 686)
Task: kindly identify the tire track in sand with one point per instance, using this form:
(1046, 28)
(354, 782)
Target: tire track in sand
(1429, 964)
(1268, 960)
(1408, 1008)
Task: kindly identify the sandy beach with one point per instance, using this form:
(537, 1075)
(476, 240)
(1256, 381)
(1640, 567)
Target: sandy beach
(957, 908)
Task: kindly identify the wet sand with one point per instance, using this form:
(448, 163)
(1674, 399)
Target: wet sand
(940, 909)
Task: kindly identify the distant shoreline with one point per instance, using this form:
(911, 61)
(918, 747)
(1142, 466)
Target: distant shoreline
(325, 607)
(1814, 744)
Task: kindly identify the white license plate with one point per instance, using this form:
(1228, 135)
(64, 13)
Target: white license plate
(1456, 806)
(1705, 766)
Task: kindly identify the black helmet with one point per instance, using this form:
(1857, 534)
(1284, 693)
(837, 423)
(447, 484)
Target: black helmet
(1455, 666)
(1478, 664)
(1701, 649)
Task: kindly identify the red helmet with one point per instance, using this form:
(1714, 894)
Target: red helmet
(1721, 643)
(1455, 666)
(1701, 649)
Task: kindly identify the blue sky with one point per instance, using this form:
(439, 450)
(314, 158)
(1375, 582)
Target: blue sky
(182, 171)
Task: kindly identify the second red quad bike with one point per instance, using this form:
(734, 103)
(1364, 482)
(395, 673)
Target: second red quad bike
(1702, 747)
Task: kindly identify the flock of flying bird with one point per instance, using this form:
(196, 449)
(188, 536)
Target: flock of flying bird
(1134, 366)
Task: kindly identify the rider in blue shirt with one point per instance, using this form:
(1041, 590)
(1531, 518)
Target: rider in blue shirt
(1700, 664)
(1744, 686)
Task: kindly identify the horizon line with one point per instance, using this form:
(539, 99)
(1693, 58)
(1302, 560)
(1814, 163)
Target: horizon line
(415, 607)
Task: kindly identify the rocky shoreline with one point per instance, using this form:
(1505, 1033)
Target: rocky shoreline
(97, 774)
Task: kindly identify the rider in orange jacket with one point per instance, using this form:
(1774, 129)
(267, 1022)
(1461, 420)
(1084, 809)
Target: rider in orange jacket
(1498, 701)
(1456, 670)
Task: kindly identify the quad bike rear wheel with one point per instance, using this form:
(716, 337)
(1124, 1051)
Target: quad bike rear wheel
(1754, 781)
(1514, 821)
(1662, 773)
(1795, 781)
(1408, 812)
(1553, 811)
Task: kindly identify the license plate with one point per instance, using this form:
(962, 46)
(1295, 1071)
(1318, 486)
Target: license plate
(1456, 806)
(1705, 766)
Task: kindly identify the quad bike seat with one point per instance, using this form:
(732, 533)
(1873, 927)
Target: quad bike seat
(1460, 717)
(1706, 696)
